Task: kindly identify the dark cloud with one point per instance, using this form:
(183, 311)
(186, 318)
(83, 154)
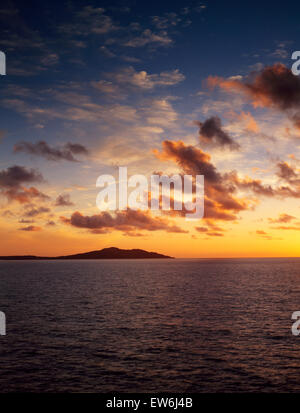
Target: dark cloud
(24, 195)
(127, 221)
(15, 176)
(273, 86)
(288, 173)
(12, 180)
(30, 228)
(63, 200)
(76, 148)
(219, 203)
(41, 148)
(33, 212)
(211, 132)
(190, 159)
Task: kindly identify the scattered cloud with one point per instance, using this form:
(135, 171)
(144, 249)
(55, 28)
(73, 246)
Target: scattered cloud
(289, 228)
(140, 79)
(30, 228)
(126, 221)
(42, 149)
(220, 204)
(147, 37)
(87, 21)
(51, 224)
(283, 218)
(288, 174)
(12, 182)
(211, 132)
(16, 175)
(169, 20)
(63, 200)
(33, 212)
(273, 86)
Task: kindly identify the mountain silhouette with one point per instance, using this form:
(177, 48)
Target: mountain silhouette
(105, 253)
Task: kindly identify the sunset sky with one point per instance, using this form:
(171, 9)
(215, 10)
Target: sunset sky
(164, 86)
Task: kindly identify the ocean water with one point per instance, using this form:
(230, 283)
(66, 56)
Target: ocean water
(150, 326)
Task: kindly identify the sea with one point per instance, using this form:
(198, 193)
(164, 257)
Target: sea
(194, 326)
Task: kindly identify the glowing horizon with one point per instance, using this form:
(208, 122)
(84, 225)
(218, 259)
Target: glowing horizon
(105, 89)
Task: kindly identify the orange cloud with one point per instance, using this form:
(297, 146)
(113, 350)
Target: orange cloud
(250, 123)
(220, 204)
(283, 218)
(127, 221)
(273, 86)
(31, 228)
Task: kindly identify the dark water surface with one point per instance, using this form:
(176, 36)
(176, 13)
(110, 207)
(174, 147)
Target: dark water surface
(150, 325)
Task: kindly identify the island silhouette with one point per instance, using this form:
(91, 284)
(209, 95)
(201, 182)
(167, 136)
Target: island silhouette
(105, 253)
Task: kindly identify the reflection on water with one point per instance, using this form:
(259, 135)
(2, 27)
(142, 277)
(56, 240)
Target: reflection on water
(150, 325)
